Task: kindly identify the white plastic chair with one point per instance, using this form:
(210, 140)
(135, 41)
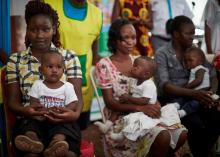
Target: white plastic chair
(101, 105)
(95, 87)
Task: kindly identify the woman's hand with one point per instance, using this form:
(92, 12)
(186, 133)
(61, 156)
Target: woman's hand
(35, 110)
(217, 104)
(204, 97)
(151, 110)
(61, 114)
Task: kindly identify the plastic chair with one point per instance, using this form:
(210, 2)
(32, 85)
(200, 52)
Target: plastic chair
(95, 86)
(101, 106)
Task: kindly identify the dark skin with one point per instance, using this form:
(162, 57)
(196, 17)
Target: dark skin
(126, 98)
(146, 22)
(181, 41)
(15, 96)
(40, 32)
(122, 61)
(192, 60)
(142, 70)
(198, 79)
(208, 39)
(52, 64)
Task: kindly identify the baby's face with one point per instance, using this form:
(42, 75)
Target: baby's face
(141, 70)
(53, 68)
(192, 60)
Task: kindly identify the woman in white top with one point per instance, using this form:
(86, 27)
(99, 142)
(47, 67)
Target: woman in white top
(211, 17)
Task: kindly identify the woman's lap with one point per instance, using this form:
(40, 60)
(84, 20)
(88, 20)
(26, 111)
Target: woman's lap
(202, 126)
(142, 146)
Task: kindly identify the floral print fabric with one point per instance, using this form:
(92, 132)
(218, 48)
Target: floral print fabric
(108, 76)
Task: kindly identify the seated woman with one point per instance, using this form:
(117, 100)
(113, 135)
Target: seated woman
(113, 75)
(33, 137)
(171, 77)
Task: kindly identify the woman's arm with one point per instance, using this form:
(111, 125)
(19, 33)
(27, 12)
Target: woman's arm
(15, 104)
(214, 84)
(152, 110)
(199, 95)
(96, 56)
(164, 83)
(208, 38)
(126, 98)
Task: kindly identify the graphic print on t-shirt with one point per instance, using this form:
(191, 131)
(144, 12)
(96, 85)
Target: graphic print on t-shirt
(49, 101)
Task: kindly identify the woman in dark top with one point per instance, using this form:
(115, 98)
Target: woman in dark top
(171, 76)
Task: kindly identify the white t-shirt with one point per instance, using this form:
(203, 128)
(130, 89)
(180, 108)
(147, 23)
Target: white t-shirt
(160, 13)
(206, 80)
(147, 89)
(48, 97)
(212, 16)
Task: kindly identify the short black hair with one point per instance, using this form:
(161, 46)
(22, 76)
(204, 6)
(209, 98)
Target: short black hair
(198, 51)
(51, 51)
(151, 61)
(177, 23)
(168, 26)
(115, 33)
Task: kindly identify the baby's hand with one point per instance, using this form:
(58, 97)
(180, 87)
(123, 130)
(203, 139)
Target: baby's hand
(55, 109)
(215, 98)
(124, 98)
(39, 118)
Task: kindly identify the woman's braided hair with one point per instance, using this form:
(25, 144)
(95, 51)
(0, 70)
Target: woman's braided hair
(37, 7)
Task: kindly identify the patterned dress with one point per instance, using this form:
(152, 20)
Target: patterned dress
(108, 76)
(138, 9)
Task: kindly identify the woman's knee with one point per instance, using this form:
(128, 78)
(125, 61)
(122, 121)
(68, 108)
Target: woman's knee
(160, 147)
(182, 139)
(163, 138)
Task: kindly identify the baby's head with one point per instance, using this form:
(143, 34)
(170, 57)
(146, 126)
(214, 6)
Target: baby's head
(52, 66)
(143, 68)
(194, 57)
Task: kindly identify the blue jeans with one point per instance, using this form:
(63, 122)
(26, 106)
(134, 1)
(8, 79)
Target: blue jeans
(189, 106)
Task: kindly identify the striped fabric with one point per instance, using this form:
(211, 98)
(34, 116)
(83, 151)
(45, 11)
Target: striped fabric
(23, 68)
